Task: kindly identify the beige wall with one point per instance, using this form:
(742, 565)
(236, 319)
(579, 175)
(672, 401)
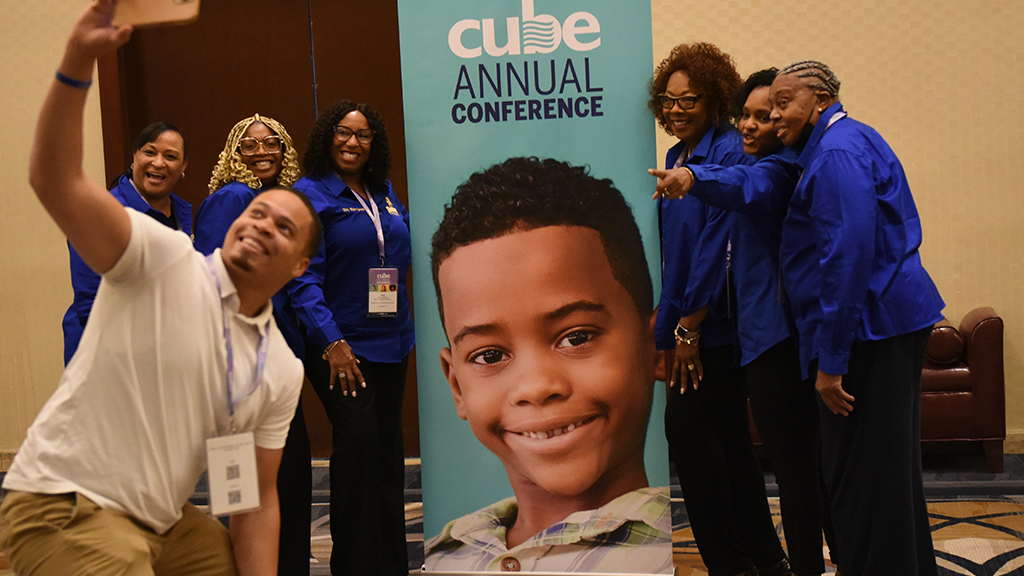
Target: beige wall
(35, 289)
(941, 81)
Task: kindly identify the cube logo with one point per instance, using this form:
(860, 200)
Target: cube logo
(534, 34)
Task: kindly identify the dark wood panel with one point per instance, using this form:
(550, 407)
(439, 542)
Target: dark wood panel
(116, 143)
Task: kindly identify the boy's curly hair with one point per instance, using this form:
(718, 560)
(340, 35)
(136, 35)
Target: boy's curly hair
(526, 193)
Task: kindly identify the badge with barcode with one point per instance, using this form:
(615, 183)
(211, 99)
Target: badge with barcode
(233, 478)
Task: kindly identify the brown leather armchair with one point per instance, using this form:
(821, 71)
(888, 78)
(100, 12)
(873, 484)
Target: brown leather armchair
(962, 384)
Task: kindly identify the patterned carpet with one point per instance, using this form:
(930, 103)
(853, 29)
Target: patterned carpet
(971, 537)
(977, 519)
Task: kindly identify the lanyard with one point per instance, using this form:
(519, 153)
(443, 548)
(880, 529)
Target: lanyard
(835, 117)
(261, 353)
(374, 213)
(683, 157)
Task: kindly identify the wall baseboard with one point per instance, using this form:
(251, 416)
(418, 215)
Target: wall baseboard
(5, 460)
(1014, 443)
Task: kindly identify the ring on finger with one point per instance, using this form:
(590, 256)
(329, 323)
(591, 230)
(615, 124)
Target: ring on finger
(690, 366)
(343, 375)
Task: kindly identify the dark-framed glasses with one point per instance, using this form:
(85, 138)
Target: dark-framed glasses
(251, 146)
(684, 102)
(342, 134)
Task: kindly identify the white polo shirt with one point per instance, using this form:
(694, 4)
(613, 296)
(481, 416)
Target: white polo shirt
(148, 385)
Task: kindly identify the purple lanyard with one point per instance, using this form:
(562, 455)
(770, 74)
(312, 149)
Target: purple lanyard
(261, 354)
(375, 218)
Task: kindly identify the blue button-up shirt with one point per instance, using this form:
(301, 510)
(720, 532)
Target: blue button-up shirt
(850, 241)
(85, 282)
(213, 219)
(331, 299)
(682, 224)
(757, 196)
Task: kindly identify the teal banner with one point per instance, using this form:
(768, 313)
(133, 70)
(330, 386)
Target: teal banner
(484, 81)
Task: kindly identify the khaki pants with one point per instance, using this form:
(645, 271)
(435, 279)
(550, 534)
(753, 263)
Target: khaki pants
(58, 534)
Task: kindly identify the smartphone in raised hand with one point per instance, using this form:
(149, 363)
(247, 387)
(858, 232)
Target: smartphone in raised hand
(142, 13)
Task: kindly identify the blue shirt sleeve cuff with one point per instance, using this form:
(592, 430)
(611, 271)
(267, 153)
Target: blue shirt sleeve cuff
(833, 363)
(325, 335)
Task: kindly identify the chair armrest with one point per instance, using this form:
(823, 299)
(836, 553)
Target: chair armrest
(982, 330)
(973, 319)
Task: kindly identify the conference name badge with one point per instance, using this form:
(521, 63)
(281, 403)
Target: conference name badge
(383, 293)
(231, 469)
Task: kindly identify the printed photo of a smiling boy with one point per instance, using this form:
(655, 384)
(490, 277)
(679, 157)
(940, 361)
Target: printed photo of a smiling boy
(546, 300)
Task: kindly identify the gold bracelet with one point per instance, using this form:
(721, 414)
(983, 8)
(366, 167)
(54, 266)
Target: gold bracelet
(689, 340)
(327, 351)
(688, 337)
(693, 179)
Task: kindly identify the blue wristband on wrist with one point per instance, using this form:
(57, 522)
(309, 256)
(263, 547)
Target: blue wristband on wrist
(80, 84)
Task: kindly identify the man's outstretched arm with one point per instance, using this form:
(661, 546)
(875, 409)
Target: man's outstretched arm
(94, 222)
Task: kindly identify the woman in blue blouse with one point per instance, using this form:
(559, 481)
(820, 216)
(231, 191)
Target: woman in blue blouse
(158, 164)
(259, 154)
(706, 420)
(355, 307)
(864, 308)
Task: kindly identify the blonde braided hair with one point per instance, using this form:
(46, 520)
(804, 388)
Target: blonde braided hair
(231, 168)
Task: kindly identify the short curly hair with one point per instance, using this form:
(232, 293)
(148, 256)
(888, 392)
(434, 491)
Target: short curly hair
(318, 160)
(231, 168)
(710, 69)
(528, 193)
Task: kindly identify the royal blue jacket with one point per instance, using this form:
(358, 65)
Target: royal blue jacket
(757, 197)
(215, 215)
(850, 241)
(85, 282)
(331, 298)
(682, 223)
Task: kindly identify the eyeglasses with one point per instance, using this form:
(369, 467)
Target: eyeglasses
(251, 146)
(684, 102)
(342, 134)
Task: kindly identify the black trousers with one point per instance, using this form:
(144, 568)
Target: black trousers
(295, 495)
(785, 409)
(367, 469)
(872, 461)
(722, 483)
